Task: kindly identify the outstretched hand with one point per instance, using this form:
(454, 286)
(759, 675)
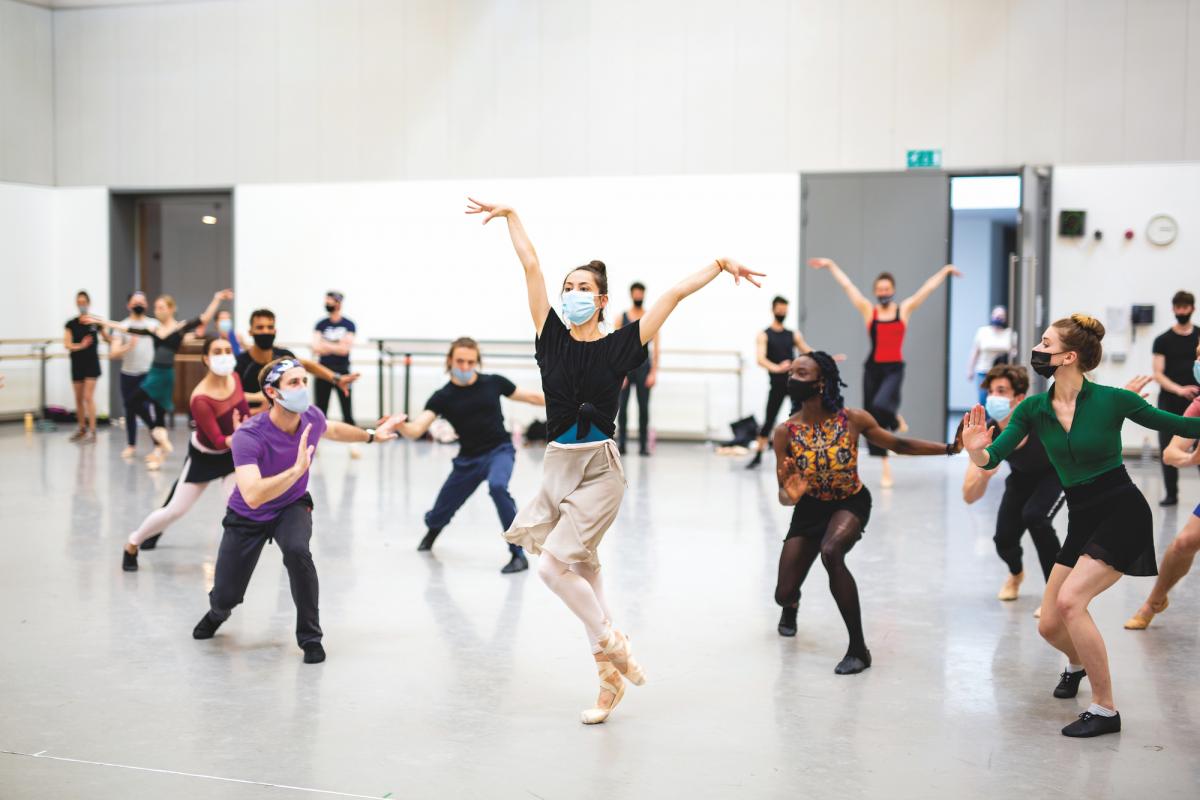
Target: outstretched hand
(1138, 383)
(479, 207)
(343, 382)
(821, 263)
(385, 428)
(974, 434)
(739, 271)
(791, 481)
(953, 270)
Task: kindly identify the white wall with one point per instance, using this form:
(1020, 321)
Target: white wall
(260, 91)
(1092, 276)
(55, 243)
(413, 265)
(26, 94)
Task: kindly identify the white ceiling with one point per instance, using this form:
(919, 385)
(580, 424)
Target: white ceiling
(58, 4)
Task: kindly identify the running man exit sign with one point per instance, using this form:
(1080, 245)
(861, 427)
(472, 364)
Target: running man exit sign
(924, 159)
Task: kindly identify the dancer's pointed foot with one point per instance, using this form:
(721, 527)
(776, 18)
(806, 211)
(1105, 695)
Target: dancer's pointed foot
(615, 645)
(612, 689)
(1142, 617)
(854, 663)
(1011, 588)
(787, 621)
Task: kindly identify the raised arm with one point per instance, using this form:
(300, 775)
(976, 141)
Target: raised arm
(857, 299)
(535, 282)
(977, 437)
(662, 309)
(911, 304)
(881, 437)
(207, 314)
(1136, 409)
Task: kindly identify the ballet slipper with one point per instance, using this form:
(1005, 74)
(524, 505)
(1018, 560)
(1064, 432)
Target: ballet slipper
(1011, 587)
(1140, 621)
(129, 452)
(154, 461)
(159, 435)
(612, 688)
(1037, 614)
(615, 646)
(902, 424)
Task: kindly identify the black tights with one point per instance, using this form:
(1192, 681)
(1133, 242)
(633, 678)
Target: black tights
(142, 404)
(797, 557)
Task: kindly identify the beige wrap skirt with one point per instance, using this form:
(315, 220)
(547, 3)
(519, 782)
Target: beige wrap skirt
(582, 487)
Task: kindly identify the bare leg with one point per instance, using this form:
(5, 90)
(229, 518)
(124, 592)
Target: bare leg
(89, 401)
(80, 411)
(1051, 625)
(1089, 578)
(1175, 564)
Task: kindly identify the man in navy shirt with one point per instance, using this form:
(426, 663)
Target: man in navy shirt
(332, 340)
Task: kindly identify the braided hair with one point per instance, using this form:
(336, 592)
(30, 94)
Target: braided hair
(831, 395)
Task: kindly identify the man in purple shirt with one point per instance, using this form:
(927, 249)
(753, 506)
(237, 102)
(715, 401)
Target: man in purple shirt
(272, 454)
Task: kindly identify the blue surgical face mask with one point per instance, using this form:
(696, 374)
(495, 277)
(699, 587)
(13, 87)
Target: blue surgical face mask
(295, 400)
(462, 375)
(1196, 370)
(998, 407)
(578, 307)
(224, 325)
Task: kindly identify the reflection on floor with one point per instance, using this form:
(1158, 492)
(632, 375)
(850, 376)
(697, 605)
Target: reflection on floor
(446, 679)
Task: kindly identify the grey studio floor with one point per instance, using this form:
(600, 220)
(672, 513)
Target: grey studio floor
(447, 679)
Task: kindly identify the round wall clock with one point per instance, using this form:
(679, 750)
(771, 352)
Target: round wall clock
(1162, 229)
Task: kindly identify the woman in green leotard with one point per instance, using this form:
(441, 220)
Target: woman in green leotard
(1110, 531)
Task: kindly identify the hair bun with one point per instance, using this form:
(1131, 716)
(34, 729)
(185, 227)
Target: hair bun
(599, 267)
(1089, 324)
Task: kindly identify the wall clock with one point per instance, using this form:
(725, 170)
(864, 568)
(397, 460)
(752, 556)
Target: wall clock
(1162, 229)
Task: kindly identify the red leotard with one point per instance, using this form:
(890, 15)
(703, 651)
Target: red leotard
(214, 418)
(887, 339)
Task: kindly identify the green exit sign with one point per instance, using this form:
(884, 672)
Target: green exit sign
(924, 159)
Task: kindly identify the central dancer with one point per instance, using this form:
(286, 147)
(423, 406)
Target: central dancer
(583, 483)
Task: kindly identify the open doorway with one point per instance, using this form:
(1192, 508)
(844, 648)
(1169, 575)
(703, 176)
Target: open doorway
(984, 241)
(179, 244)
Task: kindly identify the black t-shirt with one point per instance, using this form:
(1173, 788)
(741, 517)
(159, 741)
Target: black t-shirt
(1179, 353)
(582, 380)
(474, 411)
(89, 355)
(781, 347)
(334, 332)
(247, 368)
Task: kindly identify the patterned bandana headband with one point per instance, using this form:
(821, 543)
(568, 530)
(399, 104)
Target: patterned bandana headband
(277, 371)
(337, 296)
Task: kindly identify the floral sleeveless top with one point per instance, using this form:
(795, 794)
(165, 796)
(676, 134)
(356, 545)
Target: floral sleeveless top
(827, 454)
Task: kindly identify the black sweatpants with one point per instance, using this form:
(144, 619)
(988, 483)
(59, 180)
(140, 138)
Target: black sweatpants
(1029, 504)
(637, 381)
(321, 397)
(242, 543)
(881, 396)
(775, 400)
(1176, 405)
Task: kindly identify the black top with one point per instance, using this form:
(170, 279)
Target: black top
(1030, 458)
(165, 347)
(626, 321)
(247, 368)
(582, 380)
(1179, 352)
(474, 411)
(781, 346)
(333, 332)
(90, 355)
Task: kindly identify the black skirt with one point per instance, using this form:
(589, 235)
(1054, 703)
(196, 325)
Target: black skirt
(811, 517)
(1110, 520)
(201, 467)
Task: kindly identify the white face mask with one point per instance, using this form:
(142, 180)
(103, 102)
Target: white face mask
(222, 365)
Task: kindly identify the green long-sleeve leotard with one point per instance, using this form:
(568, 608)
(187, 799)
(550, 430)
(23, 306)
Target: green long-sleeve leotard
(1093, 446)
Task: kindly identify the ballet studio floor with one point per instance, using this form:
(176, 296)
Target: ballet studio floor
(446, 679)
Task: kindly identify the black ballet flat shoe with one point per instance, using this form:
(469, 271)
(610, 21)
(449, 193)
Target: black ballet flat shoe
(427, 543)
(1169, 500)
(314, 653)
(151, 543)
(852, 665)
(206, 627)
(754, 462)
(518, 563)
(1089, 725)
(128, 560)
(787, 621)
(1068, 684)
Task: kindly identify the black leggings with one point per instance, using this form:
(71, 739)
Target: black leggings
(1176, 405)
(775, 400)
(1029, 504)
(321, 397)
(797, 557)
(142, 404)
(881, 396)
(637, 381)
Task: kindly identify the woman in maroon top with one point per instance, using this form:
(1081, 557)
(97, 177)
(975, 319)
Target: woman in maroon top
(887, 322)
(218, 407)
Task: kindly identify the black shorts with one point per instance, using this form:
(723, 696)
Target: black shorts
(811, 517)
(1110, 520)
(201, 467)
(84, 369)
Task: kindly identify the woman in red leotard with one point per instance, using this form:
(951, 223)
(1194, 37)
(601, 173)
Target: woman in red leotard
(218, 407)
(887, 322)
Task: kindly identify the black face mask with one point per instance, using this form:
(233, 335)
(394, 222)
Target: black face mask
(799, 391)
(330, 307)
(638, 303)
(1040, 361)
(884, 299)
(137, 310)
(264, 341)
(1183, 319)
(780, 318)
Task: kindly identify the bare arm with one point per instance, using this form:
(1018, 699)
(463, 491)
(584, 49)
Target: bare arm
(343, 347)
(319, 345)
(975, 483)
(1179, 453)
(207, 314)
(1168, 385)
(535, 282)
(658, 313)
(342, 432)
(911, 304)
(857, 299)
(882, 437)
(760, 350)
(528, 396)
(416, 427)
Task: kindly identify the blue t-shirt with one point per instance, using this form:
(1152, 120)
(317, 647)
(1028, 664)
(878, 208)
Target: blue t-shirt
(334, 332)
(259, 441)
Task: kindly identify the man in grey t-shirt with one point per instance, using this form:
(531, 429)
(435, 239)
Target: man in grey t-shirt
(136, 353)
